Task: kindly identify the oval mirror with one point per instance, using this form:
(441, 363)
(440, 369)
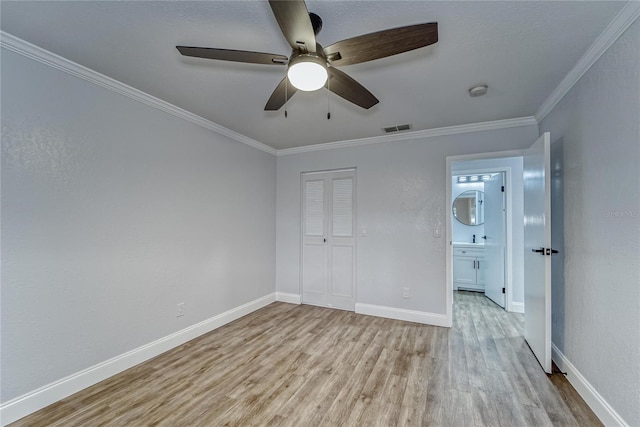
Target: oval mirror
(467, 207)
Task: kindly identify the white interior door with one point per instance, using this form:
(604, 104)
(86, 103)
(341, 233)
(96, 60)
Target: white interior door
(495, 242)
(537, 250)
(328, 239)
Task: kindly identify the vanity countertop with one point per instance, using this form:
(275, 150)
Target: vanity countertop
(473, 245)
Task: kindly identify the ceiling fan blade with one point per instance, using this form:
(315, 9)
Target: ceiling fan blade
(382, 44)
(343, 85)
(277, 97)
(295, 24)
(233, 55)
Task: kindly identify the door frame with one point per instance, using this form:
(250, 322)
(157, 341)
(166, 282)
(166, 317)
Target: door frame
(355, 229)
(449, 217)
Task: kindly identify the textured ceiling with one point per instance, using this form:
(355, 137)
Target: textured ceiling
(521, 49)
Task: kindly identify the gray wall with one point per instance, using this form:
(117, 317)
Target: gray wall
(401, 193)
(112, 213)
(596, 307)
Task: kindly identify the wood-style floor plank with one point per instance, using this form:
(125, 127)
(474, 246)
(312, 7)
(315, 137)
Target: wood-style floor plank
(288, 365)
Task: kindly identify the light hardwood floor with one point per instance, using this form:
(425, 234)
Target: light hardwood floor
(309, 366)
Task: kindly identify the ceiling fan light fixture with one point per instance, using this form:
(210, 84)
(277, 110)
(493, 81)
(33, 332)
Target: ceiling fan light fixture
(307, 72)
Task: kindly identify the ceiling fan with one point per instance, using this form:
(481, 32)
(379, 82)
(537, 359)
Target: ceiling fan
(311, 66)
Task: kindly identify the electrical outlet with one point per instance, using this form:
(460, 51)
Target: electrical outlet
(180, 309)
(405, 292)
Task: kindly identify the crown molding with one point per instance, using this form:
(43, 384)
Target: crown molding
(28, 50)
(419, 134)
(45, 57)
(627, 16)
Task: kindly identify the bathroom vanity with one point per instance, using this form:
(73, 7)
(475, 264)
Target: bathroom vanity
(468, 266)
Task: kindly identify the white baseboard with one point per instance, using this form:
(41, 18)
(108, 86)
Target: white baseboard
(517, 307)
(403, 314)
(596, 402)
(28, 403)
(290, 298)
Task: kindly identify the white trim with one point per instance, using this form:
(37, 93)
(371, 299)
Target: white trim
(53, 60)
(419, 134)
(323, 171)
(448, 235)
(487, 155)
(30, 402)
(627, 16)
(596, 402)
(45, 57)
(517, 307)
(403, 314)
(289, 298)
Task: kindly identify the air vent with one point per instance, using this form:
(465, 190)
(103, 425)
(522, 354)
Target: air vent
(397, 128)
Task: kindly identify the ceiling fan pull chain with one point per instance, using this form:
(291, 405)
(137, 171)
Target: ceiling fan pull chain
(328, 100)
(286, 86)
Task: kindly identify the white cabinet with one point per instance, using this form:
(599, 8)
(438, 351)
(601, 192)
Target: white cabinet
(468, 267)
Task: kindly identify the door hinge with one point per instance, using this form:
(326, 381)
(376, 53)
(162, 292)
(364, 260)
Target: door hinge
(502, 188)
(503, 290)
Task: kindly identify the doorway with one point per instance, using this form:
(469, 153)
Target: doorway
(496, 254)
(328, 273)
(479, 233)
(533, 178)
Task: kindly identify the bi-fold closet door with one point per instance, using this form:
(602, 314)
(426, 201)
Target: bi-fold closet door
(328, 239)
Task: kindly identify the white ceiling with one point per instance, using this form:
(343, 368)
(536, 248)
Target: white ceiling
(521, 49)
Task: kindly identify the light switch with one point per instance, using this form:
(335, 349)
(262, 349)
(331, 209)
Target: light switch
(436, 232)
(363, 232)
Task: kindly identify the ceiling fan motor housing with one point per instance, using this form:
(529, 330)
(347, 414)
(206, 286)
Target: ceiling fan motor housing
(316, 23)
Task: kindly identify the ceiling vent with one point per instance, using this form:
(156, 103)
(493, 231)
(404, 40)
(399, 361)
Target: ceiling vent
(398, 128)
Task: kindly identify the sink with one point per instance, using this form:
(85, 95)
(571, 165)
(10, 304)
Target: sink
(468, 244)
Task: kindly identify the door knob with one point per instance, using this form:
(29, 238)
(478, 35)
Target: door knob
(545, 251)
